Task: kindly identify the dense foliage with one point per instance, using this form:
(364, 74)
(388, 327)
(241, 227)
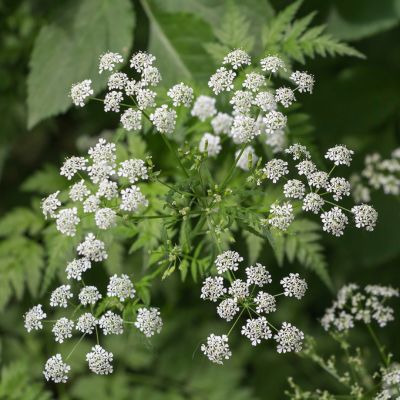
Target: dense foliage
(183, 201)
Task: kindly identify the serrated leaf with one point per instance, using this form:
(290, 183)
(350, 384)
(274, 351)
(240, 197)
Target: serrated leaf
(21, 220)
(21, 263)
(67, 51)
(45, 181)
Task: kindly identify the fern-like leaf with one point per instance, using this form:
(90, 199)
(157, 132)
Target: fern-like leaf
(302, 244)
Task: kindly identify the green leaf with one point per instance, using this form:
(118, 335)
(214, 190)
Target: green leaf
(45, 181)
(60, 249)
(303, 243)
(67, 51)
(295, 41)
(21, 263)
(21, 220)
(177, 42)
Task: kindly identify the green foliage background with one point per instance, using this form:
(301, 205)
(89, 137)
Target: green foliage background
(46, 46)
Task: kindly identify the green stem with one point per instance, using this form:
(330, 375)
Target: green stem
(232, 170)
(172, 150)
(76, 345)
(378, 345)
(236, 320)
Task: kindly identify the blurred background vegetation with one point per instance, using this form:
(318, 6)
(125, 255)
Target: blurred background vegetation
(44, 47)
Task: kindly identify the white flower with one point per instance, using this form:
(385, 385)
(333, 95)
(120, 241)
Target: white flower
(210, 144)
(164, 119)
(72, 165)
(60, 296)
(33, 318)
(217, 349)
(204, 107)
(339, 187)
(281, 216)
(227, 309)
(294, 189)
(254, 81)
(294, 286)
(213, 288)
(339, 154)
(365, 216)
(105, 218)
(222, 80)
(181, 94)
(237, 58)
(117, 80)
(266, 303)
(91, 204)
(92, 248)
(222, 123)
(318, 179)
(285, 96)
(81, 91)
(141, 61)
(149, 321)
(277, 141)
(298, 151)
(313, 202)
(242, 101)
(56, 369)
(133, 169)
(79, 191)
(145, 98)
(306, 167)
(247, 159)
(111, 323)
(132, 198)
(89, 295)
(151, 76)
(256, 330)
(382, 291)
(274, 120)
(239, 289)
(107, 189)
(108, 61)
(131, 120)
(258, 275)
(132, 87)
(103, 152)
(303, 80)
(334, 221)
(244, 129)
(272, 64)
(289, 338)
(62, 329)
(265, 100)
(121, 287)
(112, 101)
(228, 261)
(100, 171)
(77, 267)
(86, 323)
(50, 204)
(67, 220)
(99, 361)
(275, 169)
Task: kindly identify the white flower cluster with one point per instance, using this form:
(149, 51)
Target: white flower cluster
(248, 295)
(99, 193)
(148, 320)
(378, 174)
(138, 93)
(254, 103)
(312, 189)
(356, 304)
